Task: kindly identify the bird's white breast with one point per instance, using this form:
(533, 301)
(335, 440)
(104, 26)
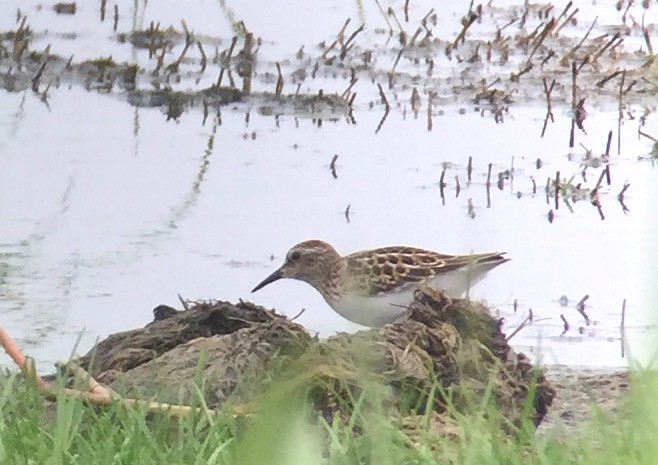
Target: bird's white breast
(374, 311)
(387, 307)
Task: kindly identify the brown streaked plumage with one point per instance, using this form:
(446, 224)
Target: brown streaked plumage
(374, 287)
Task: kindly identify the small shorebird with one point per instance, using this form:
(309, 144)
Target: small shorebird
(375, 287)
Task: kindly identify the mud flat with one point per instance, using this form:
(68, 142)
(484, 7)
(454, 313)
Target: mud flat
(578, 390)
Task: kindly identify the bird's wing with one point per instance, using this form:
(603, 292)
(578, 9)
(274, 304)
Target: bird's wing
(388, 268)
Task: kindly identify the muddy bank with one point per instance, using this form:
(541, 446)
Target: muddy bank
(578, 391)
(238, 350)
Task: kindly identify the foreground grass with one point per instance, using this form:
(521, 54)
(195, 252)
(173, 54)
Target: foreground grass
(285, 431)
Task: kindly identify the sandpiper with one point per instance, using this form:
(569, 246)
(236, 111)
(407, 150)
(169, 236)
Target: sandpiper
(375, 287)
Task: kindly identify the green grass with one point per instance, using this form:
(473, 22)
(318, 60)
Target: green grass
(285, 430)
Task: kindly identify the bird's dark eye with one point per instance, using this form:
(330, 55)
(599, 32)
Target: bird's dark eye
(295, 255)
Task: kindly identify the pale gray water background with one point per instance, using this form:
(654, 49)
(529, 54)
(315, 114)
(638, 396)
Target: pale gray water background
(107, 210)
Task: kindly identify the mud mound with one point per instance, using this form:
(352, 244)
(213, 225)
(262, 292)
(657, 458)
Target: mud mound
(445, 352)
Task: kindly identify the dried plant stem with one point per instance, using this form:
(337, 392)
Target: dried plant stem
(549, 107)
(524, 323)
(204, 59)
(97, 393)
(620, 115)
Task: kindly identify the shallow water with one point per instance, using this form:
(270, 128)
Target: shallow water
(109, 210)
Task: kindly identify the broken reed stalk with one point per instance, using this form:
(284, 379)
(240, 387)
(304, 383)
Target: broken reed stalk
(403, 33)
(581, 309)
(607, 144)
(620, 115)
(37, 77)
(549, 107)
(415, 36)
(564, 11)
(204, 59)
(346, 92)
(630, 86)
(568, 204)
(332, 166)
(557, 190)
(442, 185)
(516, 76)
(574, 74)
(538, 41)
(530, 38)
(457, 186)
(647, 37)
(347, 213)
(469, 168)
(566, 21)
(20, 42)
(426, 17)
(395, 63)
(383, 97)
(628, 7)
(573, 51)
(466, 23)
(565, 325)
(339, 39)
(600, 52)
(103, 5)
(159, 62)
(499, 31)
(246, 70)
(620, 197)
(595, 192)
(349, 103)
(430, 100)
(116, 17)
(346, 46)
(527, 320)
(341, 33)
(603, 81)
(599, 208)
(189, 40)
(226, 62)
(387, 108)
(183, 302)
(648, 136)
(300, 313)
(279, 81)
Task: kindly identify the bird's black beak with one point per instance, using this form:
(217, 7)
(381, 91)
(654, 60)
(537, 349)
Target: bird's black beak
(270, 279)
